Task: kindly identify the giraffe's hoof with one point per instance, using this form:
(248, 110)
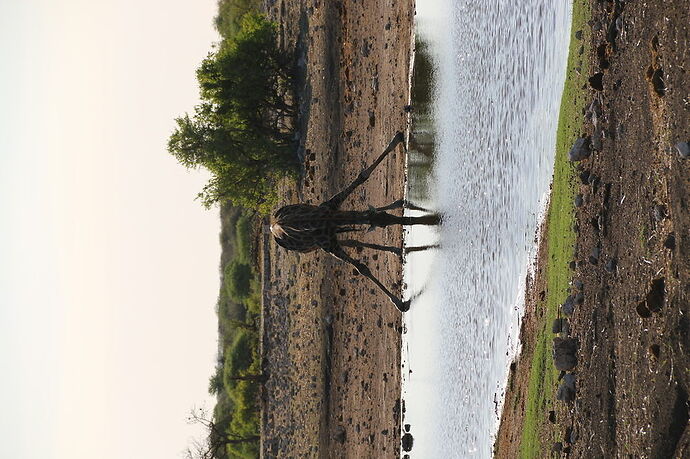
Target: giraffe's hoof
(403, 306)
(399, 137)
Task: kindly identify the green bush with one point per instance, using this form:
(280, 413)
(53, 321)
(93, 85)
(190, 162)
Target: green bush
(237, 280)
(230, 13)
(243, 233)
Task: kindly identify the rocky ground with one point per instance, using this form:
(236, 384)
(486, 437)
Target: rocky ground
(331, 341)
(631, 273)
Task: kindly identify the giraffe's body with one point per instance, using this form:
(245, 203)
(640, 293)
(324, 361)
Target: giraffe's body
(305, 227)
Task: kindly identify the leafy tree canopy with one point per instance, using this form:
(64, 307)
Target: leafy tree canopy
(242, 130)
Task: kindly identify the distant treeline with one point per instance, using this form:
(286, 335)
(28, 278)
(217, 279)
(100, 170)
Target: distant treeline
(242, 132)
(237, 379)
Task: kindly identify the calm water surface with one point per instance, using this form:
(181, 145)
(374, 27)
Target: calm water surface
(489, 77)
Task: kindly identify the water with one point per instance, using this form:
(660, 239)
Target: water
(485, 146)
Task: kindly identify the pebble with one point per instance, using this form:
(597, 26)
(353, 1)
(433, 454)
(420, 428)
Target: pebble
(580, 150)
(569, 306)
(611, 265)
(683, 149)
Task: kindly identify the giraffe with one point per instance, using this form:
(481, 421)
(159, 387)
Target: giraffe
(305, 227)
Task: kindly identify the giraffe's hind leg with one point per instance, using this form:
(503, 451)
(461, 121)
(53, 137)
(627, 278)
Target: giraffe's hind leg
(338, 252)
(385, 248)
(402, 203)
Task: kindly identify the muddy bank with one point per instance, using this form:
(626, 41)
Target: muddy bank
(631, 272)
(331, 340)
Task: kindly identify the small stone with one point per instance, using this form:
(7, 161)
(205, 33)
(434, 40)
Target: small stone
(578, 35)
(557, 326)
(564, 349)
(572, 265)
(557, 447)
(593, 260)
(670, 242)
(552, 417)
(565, 394)
(568, 307)
(584, 177)
(569, 380)
(659, 212)
(683, 149)
(596, 81)
(580, 298)
(407, 442)
(596, 252)
(578, 200)
(611, 265)
(580, 150)
(578, 284)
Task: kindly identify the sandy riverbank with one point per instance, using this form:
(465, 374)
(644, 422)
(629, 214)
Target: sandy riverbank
(331, 340)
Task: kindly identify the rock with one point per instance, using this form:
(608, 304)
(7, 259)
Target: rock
(557, 447)
(683, 149)
(578, 284)
(579, 298)
(552, 417)
(584, 177)
(611, 265)
(670, 242)
(596, 81)
(407, 442)
(560, 326)
(578, 200)
(568, 307)
(596, 251)
(569, 380)
(340, 434)
(564, 349)
(580, 150)
(578, 35)
(659, 212)
(565, 393)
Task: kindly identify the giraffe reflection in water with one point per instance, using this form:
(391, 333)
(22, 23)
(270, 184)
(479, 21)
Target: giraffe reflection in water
(304, 227)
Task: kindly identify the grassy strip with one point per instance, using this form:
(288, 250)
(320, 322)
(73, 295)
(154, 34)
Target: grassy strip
(560, 237)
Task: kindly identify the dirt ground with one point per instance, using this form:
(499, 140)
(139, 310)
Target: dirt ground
(331, 341)
(632, 254)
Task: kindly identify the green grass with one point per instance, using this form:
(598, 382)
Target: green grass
(560, 239)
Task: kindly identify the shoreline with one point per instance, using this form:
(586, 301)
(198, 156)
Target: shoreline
(631, 376)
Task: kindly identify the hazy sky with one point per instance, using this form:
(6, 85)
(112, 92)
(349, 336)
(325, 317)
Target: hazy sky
(109, 270)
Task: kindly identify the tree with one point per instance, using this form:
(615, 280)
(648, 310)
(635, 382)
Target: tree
(238, 278)
(242, 132)
(215, 443)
